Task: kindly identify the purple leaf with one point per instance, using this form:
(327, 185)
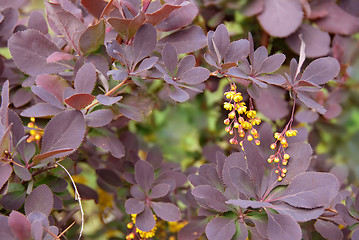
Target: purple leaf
(256, 161)
(127, 28)
(137, 192)
(185, 64)
(38, 22)
(21, 97)
(328, 230)
(85, 79)
(242, 181)
(144, 175)
(192, 231)
(108, 101)
(237, 50)
(65, 24)
(254, 91)
(30, 50)
(220, 41)
(40, 110)
(178, 94)
(195, 75)
(86, 193)
(5, 231)
(260, 55)
(17, 131)
(119, 74)
(336, 19)
(145, 221)
(306, 116)
(272, 63)
(40, 199)
(317, 41)
(154, 156)
(109, 176)
(272, 103)
(215, 199)
(92, 38)
(144, 42)
(5, 173)
(311, 190)
(134, 206)
(13, 200)
(210, 173)
(22, 172)
(186, 40)
(146, 64)
(111, 144)
(167, 211)
(179, 18)
(53, 84)
(20, 225)
(309, 102)
(253, 8)
(321, 70)
(65, 131)
(58, 56)
(281, 17)
(221, 228)
(95, 7)
(300, 156)
(47, 97)
(248, 203)
(169, 56)
(98, 118)
(159, 190)
(7, 25)
(344, 213)
(283, 227)
(299, 214)
(238, 72)
(236, 159)
(79, 101)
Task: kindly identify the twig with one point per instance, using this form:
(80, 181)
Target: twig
(77, 197)
(107, 94)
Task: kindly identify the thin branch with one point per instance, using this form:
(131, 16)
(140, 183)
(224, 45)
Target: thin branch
(77, 197)
(107, 94)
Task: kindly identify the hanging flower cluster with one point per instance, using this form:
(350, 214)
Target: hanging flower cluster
(281, 157)
(35, 132)
(241, 121)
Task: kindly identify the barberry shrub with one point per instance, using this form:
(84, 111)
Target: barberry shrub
(71, 96)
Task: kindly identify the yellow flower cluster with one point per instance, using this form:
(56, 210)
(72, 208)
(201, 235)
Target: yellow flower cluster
(240, 125)
(142, 234)
(281, 157)
(35, 132)
(176, 226)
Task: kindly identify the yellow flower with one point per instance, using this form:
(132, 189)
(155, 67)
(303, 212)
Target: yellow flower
(251, 114)
(237, 97)
(230, 95)
(228, 106)
(246, 125)
(291, 133)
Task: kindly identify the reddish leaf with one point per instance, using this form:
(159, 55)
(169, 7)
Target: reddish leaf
(37, 21)
(321, 70)
(248, 203)
(92, 38)
(111, 144)
(156, 17)
(80, 100)
(40, 110)
(95, 7)
(20, 225)
(127, 28)
(53, 84)
(5, 173)
(159, 190)
(13, 200)
(58, 56)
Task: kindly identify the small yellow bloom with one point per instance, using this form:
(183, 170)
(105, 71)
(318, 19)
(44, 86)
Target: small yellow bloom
(237, 97)
(228, 106)
(246, 125)
(251, 114)
(291, 133)
(230, 95)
